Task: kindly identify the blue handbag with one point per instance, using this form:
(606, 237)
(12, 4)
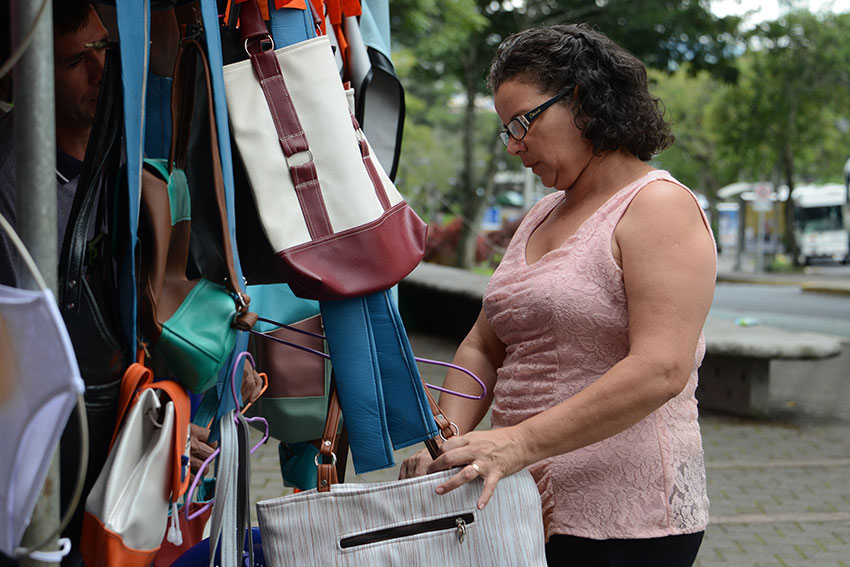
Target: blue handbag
(380, 390)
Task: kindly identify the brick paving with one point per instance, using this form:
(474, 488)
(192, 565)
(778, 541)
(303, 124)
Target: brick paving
(779, 492)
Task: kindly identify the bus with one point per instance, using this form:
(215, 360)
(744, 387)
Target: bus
(821, 222)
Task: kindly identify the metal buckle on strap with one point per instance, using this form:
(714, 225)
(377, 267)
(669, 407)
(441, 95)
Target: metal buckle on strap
(290, 162)
(454, 427)
(332, 463)
(266, 43)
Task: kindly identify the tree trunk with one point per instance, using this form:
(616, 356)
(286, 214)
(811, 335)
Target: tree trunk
(789, 239)
(472, 205)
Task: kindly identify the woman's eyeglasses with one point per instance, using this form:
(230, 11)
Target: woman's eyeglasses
(518, 127)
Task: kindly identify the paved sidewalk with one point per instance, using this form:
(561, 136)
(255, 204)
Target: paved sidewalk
(780, 492)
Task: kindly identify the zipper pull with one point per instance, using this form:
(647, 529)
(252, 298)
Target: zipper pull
(461, 530)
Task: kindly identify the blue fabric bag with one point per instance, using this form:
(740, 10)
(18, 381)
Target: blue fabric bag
(381, 393)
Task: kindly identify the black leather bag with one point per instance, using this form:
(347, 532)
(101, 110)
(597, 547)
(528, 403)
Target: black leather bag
(88, 289)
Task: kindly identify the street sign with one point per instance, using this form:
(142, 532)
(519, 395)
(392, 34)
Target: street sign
(763, 197)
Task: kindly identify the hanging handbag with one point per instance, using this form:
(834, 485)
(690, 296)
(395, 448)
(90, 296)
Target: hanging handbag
(402, 522)
(333, 220)
(296, 401)
(190, 323)
(145, 474)
(88, 295)
(32, 412)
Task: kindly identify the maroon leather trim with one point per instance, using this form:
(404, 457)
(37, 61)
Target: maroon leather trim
(289, 130)
(359, 261)
(292, 140)
(309, 192)
(251, 22)
(380, 190)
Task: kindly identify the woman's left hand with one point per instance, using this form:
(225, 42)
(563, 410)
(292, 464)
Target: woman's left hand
(492, 455)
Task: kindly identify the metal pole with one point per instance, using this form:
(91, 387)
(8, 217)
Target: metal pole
(35, 154)
(741, 240)
(760, 252)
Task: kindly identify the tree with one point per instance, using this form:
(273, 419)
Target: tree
(693, 104)
(794, 92)
(665, 35)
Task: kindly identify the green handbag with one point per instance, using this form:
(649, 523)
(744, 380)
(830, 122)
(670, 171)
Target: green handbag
(191, 324)
(197, 339)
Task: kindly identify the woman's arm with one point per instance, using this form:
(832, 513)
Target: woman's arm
(668, 263)
(482, 353)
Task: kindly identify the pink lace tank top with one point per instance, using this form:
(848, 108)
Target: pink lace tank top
(565, 323)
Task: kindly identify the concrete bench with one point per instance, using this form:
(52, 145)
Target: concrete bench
(736, 372)
(735, 375)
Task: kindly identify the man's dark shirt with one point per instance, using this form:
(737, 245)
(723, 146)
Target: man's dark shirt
(68, 171)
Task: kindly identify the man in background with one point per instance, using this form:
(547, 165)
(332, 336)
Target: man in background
(79, 40)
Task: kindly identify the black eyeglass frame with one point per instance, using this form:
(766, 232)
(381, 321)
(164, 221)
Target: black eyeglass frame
(517, 127)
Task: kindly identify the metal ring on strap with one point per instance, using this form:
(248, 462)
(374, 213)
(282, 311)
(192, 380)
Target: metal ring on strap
(267, 39)
(453, 426)
(333, 459)
(309, 156)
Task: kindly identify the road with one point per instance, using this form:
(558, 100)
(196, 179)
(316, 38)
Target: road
(783, 306)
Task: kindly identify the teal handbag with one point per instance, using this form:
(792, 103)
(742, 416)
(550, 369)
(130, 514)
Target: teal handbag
(191, 324)
(197, 339)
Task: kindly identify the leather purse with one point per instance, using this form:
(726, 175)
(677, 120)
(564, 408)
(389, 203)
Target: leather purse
(145, 474)
(191, 323)
(88, 295)
(296, 400)
(402, 522)
(334, 222)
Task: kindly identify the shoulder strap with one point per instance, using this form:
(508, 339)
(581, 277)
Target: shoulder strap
(182, 408)
(192, 54)
(136, 376)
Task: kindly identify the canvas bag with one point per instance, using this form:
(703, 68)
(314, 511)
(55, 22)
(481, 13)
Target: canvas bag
(402, 522)
(334, 221)
(145, 474)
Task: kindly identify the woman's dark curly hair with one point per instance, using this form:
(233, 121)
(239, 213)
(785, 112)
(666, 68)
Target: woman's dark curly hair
(614, 107)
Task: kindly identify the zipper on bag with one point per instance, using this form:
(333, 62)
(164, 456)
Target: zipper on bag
(457, 522)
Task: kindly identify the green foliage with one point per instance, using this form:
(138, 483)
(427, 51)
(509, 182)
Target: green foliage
(770, 104)
(782, 115)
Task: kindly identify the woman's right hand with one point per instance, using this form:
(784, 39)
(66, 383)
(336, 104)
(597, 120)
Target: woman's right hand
(417, 465)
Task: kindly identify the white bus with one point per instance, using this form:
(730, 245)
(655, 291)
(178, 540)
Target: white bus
(821, 222)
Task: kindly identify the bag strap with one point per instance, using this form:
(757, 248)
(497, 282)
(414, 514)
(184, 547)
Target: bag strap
(135, 377)
(101, 151)
(182, 406)
(231, 516)
(290, 132)
(327, 473)
(191, 53)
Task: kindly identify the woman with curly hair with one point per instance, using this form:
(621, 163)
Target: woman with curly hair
(590, 335)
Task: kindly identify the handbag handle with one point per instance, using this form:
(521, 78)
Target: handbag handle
(326, 458)
(291, 136)
(182, 106)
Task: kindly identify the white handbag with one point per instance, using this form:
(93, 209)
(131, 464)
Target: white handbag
(403, 522)
(334, 221)
(406, 523)
(146, 472)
